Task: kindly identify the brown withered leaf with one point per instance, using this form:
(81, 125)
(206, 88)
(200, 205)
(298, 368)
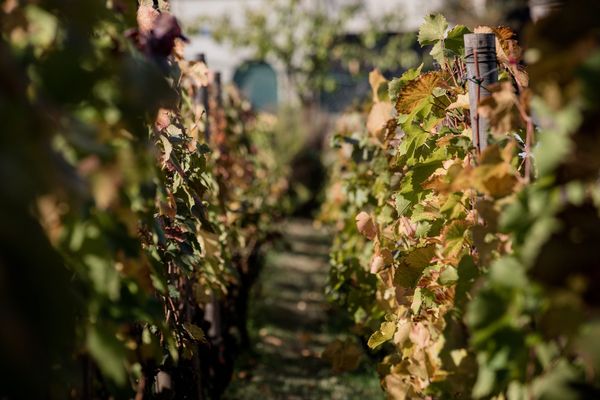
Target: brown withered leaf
(199, 74)
(163, 119)
(500, 109)
(508, 52)
(167, 149)
(503, 34)
(495, 176)
(343, 356)
(376, 80)
(380, 259)
(414, 93)
(376, 264)
(379, 116)
(146, 16)
(366, 226)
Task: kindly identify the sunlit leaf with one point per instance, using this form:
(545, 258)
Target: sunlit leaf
(433, 29)
(385, 333)
(419, 91)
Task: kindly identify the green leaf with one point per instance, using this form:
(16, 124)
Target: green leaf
(438, 52)
(397, 84)
(402, 204)
(108, 352)
(195, 332)
(449, 276)
(454, 43)
(455, 237)
(433, 29)
(508, 272)
(485, 379)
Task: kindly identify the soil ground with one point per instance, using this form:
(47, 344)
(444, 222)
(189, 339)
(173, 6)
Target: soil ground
(292, 323)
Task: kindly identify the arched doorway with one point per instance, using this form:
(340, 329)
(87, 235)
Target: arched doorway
(258, 82)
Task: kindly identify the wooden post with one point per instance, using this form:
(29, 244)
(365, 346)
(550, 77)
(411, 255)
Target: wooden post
(482, 71)
(219, 89)
(203, 98)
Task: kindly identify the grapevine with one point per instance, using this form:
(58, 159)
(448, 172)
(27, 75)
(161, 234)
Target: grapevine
(444, 254)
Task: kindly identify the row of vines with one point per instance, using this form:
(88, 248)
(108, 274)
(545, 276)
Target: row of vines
(474, 273)
(137, 195)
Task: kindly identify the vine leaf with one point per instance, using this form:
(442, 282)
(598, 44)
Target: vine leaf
(454, 43)
(366, 226)
(408, 273)
(396, 85)
(419, 91)
(380, 259)
(432, 30)
(379, 116)
(344, 356)
(199, 74)
(462, 102)
(167, 148)
(383, 334)
(454, 237)
(195, 332)
(452, 46)
(146, 16)
(108, 351)
(163, 119)
(376, 80)
(500, 109)
(508, 52)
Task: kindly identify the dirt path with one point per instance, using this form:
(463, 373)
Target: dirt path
(291, 325)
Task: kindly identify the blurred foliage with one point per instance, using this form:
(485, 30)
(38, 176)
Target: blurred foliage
(513, 13)
(122, 215)
(475, 274)
(308, 39)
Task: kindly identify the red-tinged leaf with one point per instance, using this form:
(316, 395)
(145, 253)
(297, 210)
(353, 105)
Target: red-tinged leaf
(366, 226)
(146, 17)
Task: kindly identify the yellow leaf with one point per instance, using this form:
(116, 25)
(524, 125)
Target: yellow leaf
(500, 109)
(385, 333)
(454, 238)
(462, 101)
(379, 116)
(167, 148)
(458, 355)
(414, 93)
(376, 80)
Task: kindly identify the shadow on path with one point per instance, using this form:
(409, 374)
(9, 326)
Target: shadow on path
(291, 325)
